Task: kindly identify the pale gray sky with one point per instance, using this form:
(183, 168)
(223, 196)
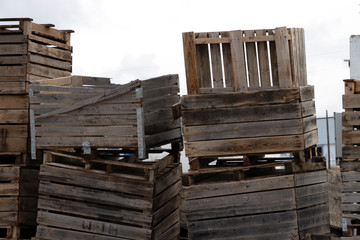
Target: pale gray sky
(140, 39)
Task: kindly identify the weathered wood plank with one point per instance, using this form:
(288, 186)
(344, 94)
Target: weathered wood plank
(238, 61)
(263, 60)
(241, 114)
(216, 64)
(12, 71)
(283, 58)
(246, 146)
(192, 78)
(14, 102)
(50, 52)
(14, 116)
(252, 61)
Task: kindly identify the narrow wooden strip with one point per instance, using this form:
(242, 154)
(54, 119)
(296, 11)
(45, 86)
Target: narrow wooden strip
(192, 78)
(252, 61)
(216, 63)
(263, 60)
(283, 58)
(238, 61)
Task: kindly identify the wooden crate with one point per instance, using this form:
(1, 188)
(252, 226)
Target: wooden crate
(243, 60)
(136, 116)
(18, 201)
(134, 200)
(31, 51)
(249, 123)
(350, 164)
(28, 51)
(279, 207)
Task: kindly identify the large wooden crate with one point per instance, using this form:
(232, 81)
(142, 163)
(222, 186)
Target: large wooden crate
(350, 164)
(244, 59)
(252, 122)
(28, 51)
(18, 201)
(137, 115)
(279, 207)
(107, 199)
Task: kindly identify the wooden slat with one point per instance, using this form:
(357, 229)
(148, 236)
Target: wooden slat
(50, 62)
(245, 146)
(14, 116)
(216, 64)
(12, 60)
(44, 71)
(13, 38)
(273, 62)
(283, 58)
(50, 52)
(103, 131)
(252, 60)
(241, 114)
(14, 102)
(241, 99)
(238, 61)
(227, 62)
(13, 49)
(243, 130)
(13, 87)
(263, 60)
(12, 71)
(351, 101)
(192, 78)
(50, 42)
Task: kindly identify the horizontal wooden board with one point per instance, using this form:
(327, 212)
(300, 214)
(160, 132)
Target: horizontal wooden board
(350, 119)
(14, 102)
(241, 114)
(12, 71)
(8, 219)
(45, 71)
(50, 62)
(93, 131)
(243, 130)
(15, 131)
(50, 52)
(207, 190)
(350, 166)
(313, 217)
(18, 38)
(282, 225)
(245, 146)
(311, 195)
(159, 82)
(49, 32)
(88, 120)
(12, 60)
(350, 197)
(350, 152)
(307, 93)
(14, 116)
(9, 189)
(14, 145)
(95, 211)
(94, 196)
(13, 87)
(44, 232)
(158, 139)
(308, 108)
(278, 96)
(92, 226)
(350, 137)
(13, 49)
(239, 204)
(95, 180)
(9, 173)
(9, 204)
(51, 42)
(309, 178)
(114, 141)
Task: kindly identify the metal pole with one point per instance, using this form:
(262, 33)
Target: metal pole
(328, 141)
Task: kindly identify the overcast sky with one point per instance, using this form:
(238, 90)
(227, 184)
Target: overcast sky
(139, 39)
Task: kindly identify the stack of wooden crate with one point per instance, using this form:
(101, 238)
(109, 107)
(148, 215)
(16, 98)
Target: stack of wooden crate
(28, 51)
(350, 165)
(108, 133)
(250, 113)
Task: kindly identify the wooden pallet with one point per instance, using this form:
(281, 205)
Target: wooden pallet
(249, 123)
(350, 165)
(85, 203)
(18, 201)
(279, 207)
(244, 59)
(137, 115)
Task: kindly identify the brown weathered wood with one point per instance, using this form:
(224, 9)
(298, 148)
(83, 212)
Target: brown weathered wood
(192, 79)
(252, 61)
(216, 64)
(263, 60)
(283, 58)
(238, 61)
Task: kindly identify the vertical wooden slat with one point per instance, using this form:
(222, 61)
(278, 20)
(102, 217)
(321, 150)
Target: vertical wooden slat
(273, 62)
(216, 62)
(302, 57)
(228, 67)
(294, 57)
(192, 78)
(263, 60)
(238, 61)
(283, 57)
(203, 62)
(252, 61)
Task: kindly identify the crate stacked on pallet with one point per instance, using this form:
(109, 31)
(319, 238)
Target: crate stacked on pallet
(102, 198)
(136, 116)
(28, 51)
(107, 132)
(350, 165)
(250, 113)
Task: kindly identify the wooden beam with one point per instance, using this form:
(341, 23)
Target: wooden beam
(192, 78)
